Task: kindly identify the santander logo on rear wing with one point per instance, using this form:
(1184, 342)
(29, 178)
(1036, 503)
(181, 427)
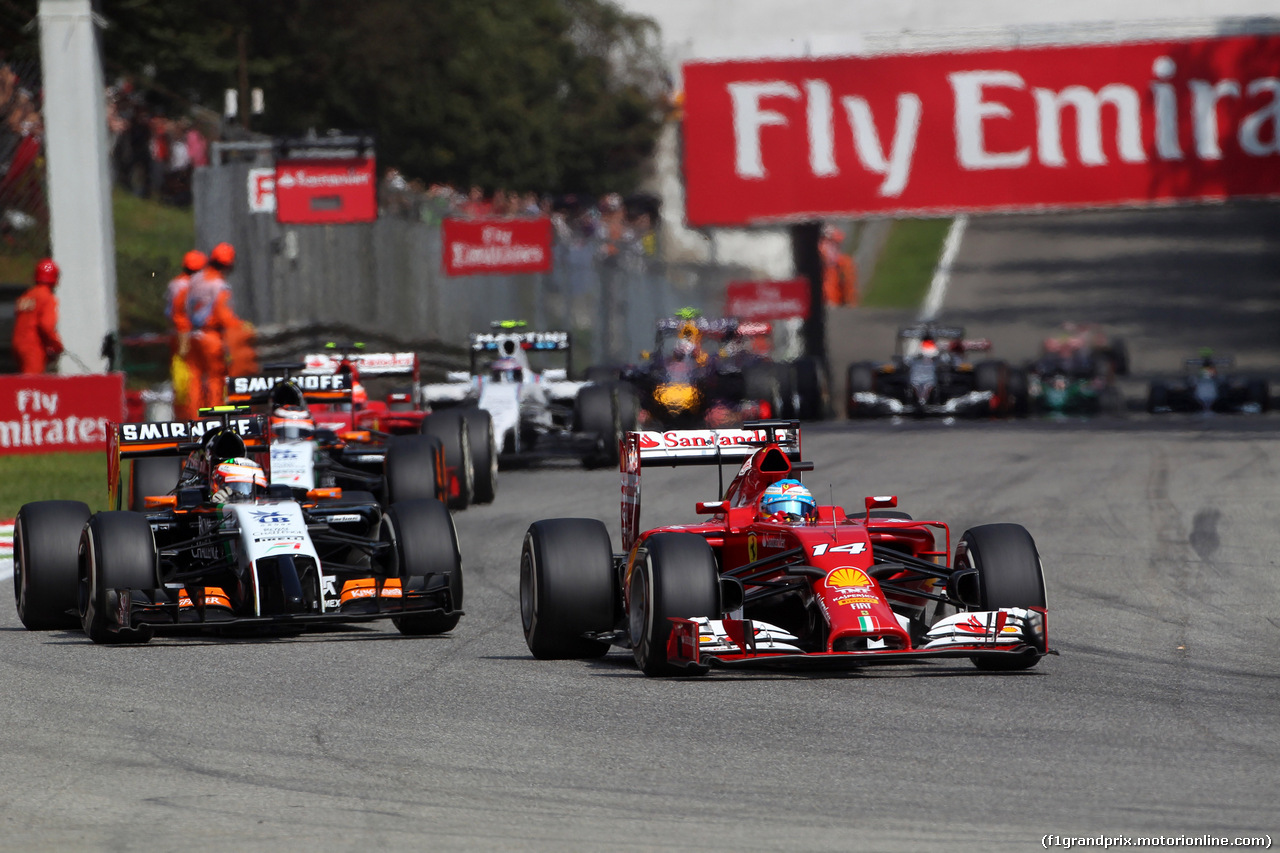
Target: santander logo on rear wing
(709, 446)
(366, 363)
(693, 447)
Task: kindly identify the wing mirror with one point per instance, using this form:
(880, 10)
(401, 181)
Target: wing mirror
(708, 507)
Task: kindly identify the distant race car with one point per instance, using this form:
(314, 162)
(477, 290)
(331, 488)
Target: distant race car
(465, 433)
(224, 550)
(1075, 374)
(929, 374)
(389, 467)
(1206, 387)
(773, 580)
(537, 415)
(703, 372)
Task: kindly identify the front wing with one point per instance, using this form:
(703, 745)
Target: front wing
(700, 644)
(131, 609)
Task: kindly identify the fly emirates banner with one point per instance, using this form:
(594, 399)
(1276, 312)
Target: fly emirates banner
(982, 131)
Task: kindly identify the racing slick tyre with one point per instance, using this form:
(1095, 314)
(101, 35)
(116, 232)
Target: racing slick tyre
(1158, 398)
(596, 411)
(861, 379)
(484, 456)
(790, 393)
(811, 390)
(568, 588)
(1019, 393)
(676, 576)
(1111, 403)
(450, 427)
(157, 475)
(628, 407)
(1009, 575)
(117, 551)
(428, 560)
(993, 376)
(602, 374)
(409, 469)
(46, 538)
(891, 513)
(1256, 393)
(1118, 352)
(761, 384)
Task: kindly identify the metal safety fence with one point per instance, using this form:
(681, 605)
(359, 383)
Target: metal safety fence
(384, 282)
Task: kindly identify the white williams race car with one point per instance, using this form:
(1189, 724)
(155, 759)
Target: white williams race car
(538, 415)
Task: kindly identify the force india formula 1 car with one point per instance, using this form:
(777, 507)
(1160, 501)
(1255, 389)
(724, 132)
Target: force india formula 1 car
(389, 467)
(745, 591)
(929, 375)
(537, 415)
(198, 560)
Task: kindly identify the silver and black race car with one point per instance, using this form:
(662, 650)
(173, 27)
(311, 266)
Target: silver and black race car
(537, 414)
(1207, 387)
(929, 374)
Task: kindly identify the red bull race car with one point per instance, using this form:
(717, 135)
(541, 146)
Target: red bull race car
(773, 580)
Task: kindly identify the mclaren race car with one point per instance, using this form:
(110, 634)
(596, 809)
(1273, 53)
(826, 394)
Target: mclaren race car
(537, 414)
(772, 579)
(225, 550)
(930, 375)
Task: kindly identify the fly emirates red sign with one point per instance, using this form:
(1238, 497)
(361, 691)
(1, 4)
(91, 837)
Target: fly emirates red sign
(994, 130)
(486, 246)
(43, 413)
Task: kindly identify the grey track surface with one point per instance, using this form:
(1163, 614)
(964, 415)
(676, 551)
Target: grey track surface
(1161, 716)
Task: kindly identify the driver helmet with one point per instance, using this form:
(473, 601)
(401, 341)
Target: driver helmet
(506, 370)
(684, 349)
(292, 423)
(928, 348)
(788, 500)
(236, 479)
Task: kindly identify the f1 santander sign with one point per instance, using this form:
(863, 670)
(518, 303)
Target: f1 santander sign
(992, 130)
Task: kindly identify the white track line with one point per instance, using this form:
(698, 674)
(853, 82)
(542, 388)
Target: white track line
(942, 273)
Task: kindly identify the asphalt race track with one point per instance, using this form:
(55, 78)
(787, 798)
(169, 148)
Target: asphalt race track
(1160, 717)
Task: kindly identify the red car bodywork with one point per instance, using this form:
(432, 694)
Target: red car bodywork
(862, 590)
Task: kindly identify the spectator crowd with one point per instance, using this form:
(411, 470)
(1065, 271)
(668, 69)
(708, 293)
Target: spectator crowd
(619, 226)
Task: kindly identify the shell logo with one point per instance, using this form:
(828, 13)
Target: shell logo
(848, 577)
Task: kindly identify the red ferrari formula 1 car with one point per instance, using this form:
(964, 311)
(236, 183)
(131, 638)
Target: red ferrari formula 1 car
(773, 580)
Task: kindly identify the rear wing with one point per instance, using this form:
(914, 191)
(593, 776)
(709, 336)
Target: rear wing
(676, 447)
(365, 363)
(507, 344)
(315, 388)
(1211, 361)
(175, 438)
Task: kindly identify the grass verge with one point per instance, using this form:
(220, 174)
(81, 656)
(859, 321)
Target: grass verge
(53, 476)
(906, 264)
